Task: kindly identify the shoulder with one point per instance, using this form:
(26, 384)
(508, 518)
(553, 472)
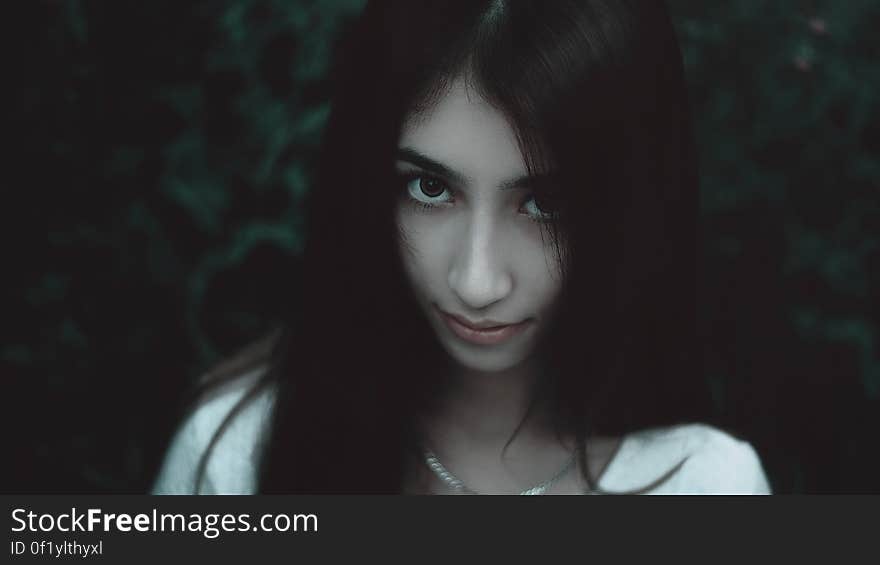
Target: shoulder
(232, 464)
(708, 461)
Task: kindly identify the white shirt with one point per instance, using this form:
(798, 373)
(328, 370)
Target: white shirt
(715, 462)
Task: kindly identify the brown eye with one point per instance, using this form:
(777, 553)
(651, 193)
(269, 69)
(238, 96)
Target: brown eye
(431, 187)
(541, 208)
(427, 190)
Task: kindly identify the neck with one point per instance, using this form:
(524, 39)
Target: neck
(471, 430)
(483, 409)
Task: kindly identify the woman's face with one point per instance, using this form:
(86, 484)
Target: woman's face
(471, 235)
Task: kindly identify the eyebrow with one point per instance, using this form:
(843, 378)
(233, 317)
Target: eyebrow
(413, 157)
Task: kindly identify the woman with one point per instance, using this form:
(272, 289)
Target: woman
(500, 289)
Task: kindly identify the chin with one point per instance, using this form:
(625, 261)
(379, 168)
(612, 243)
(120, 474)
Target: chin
(485, 361)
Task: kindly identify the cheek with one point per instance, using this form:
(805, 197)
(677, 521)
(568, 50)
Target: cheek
(540, 275)
(420, 250)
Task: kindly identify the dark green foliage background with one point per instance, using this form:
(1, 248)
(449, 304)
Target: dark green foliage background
(162, 151)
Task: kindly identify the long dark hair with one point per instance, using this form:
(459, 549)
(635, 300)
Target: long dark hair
(594, 86)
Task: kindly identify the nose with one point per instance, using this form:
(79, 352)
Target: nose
(478, 273)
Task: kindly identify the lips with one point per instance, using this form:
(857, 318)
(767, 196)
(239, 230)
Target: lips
(486, 332)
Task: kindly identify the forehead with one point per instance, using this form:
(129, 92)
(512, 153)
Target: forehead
(465, 132)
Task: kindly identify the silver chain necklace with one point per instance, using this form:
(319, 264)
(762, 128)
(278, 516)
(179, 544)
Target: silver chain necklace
(457, 485)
